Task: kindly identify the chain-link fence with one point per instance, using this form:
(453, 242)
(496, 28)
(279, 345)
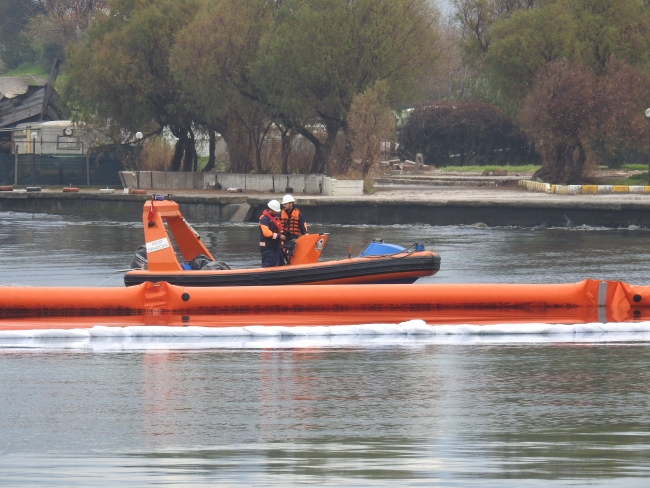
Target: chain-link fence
(7, 169)
(100, 167)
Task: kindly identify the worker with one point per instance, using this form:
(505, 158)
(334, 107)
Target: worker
(293, 222)
(271, 236)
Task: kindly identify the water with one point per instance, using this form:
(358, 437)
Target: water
(409, 411)
(39, 250)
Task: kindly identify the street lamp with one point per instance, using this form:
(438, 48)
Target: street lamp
(34, 136)
(138, 136)
(647, 114)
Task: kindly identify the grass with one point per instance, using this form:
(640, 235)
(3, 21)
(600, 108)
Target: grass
(525, 168)
(220, 166)
(635, 180)
(635, 167)
(27, 69)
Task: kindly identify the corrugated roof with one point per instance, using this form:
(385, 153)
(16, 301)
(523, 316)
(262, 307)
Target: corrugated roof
(28, 107)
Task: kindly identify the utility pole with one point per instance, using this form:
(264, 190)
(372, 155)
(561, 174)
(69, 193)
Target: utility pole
(647, 114)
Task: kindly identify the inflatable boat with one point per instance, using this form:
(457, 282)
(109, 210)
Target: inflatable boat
(589, 301)
(156, 261)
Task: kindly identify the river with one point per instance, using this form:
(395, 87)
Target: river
(480, 411)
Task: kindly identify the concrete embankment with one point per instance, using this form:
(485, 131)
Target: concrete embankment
(452, 206)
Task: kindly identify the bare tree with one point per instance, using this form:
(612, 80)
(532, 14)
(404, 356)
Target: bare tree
(70, 18)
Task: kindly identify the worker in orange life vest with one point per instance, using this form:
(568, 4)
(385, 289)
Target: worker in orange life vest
(293, 221)
(271, 236)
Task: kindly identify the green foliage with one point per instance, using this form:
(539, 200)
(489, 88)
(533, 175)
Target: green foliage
(369, 186)
(585, 31)
(525, 43)
(212, 55)
(322, 53)
(640, 179)
(120, 69)
(23, 69)
(15, 48)
(236, 66)
(635, 167)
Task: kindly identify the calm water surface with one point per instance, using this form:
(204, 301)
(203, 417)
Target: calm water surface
(509, 412)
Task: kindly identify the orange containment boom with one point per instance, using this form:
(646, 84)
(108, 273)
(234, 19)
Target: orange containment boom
(588, 300)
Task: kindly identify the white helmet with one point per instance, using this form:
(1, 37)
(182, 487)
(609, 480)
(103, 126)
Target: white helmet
(287, 199)
(274, 205)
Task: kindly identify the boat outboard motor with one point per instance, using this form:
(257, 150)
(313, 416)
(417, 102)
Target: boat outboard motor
(140, 258)
(289, 248)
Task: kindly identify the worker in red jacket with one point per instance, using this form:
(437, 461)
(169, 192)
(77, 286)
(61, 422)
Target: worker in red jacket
(293, 221)
(271, 236)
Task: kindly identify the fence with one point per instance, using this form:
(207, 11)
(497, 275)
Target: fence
(98, 168)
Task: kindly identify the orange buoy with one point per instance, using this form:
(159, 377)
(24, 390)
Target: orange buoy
(70, 189)
(6, 188)
(137, 192)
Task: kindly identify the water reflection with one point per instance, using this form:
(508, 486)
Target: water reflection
(449, 411)
(454, 414)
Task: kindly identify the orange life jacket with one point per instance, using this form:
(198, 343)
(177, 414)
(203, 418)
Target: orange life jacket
(291, 225)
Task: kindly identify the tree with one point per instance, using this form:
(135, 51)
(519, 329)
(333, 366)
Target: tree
(570, 111)
(211, 61)
(558, 112)
(120, 71)
(14, 18)
(61, 22)
(476, 18)
(322, 53)
(525, 44)
(584, 31)
(370, 122)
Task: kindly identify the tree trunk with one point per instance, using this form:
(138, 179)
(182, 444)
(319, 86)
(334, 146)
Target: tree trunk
(574, 176)
(285, 144)
(237, 151)
(323, 150)
(347, 156)
(177, 157)
(212, 146)
(553, 170)
(190, 159)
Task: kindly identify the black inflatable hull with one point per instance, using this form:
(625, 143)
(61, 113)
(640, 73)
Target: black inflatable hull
(376, 270)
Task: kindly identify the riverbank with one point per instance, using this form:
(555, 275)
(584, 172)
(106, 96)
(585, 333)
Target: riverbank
(453, 205)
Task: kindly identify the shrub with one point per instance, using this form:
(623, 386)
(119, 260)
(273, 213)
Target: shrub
(461, 134)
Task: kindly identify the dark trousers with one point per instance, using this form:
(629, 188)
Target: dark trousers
(272, 257)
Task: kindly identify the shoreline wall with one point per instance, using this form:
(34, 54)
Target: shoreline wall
(298, 183)
(242, 208)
